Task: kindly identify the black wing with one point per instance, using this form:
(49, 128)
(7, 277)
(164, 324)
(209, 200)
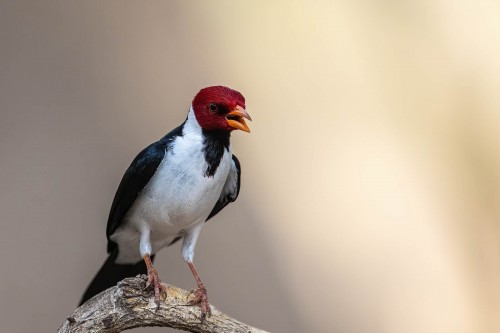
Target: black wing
(230, 190)
(134, 180)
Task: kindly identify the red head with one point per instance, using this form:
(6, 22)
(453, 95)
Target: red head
(220, 108)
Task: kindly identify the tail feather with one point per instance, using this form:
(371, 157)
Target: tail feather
(110, 274)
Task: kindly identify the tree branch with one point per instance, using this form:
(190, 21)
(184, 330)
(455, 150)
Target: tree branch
(129, 305)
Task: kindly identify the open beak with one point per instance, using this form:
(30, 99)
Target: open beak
(236, 120)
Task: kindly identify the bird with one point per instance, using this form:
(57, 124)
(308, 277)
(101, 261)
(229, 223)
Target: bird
(170, 190)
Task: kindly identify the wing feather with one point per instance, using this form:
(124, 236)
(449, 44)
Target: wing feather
(135, 179)
(230, 190)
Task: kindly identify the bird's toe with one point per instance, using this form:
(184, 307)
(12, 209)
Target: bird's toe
(200, 297)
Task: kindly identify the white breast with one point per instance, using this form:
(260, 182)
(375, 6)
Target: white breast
(178, 197)
(179, 194)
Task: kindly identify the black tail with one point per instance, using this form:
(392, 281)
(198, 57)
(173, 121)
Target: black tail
(110, 274)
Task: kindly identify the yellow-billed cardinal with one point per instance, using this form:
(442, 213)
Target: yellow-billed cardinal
(171, 189)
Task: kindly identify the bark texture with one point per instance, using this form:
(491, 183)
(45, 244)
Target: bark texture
(129, 305)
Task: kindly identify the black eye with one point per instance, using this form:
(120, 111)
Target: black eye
(212, 107)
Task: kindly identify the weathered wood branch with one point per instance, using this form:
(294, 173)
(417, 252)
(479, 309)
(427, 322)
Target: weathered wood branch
(129, 305)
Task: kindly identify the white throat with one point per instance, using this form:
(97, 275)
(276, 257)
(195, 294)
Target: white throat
(192, 126)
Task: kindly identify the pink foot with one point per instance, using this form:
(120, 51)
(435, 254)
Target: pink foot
(201, 298)
(159, 288)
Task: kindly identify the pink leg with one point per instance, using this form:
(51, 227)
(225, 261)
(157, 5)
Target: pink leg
(200, 295)
(154, 280)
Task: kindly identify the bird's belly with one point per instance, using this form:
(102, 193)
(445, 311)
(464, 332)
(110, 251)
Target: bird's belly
(177, 211)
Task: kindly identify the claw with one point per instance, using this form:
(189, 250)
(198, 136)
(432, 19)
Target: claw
(201, 298)
(158, 287)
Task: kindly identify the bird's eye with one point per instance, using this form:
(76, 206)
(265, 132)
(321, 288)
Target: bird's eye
(212, 107)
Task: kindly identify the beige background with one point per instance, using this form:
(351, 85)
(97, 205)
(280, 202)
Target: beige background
(371, 178)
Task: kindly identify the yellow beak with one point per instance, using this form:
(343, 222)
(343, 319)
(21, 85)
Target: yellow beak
(236, 120)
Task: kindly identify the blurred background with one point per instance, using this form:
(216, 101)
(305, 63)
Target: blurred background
(371, 179)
